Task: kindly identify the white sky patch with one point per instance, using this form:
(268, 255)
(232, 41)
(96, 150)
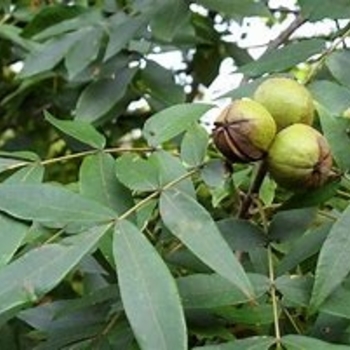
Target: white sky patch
(17, 67)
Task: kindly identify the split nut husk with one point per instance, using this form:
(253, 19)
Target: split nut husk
(244, 131)
(300, 158)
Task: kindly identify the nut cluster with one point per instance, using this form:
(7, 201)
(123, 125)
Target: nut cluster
(276, 125)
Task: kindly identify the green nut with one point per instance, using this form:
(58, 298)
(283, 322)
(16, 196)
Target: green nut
(244, 131)
(288, 101)
(300, 158)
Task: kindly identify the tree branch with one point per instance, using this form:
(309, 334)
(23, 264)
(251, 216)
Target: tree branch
(283, 36)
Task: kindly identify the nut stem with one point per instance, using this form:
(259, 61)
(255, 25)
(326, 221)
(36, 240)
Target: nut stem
(253, 190)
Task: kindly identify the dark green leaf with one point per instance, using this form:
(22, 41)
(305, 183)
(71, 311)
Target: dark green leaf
(27, 279)
(336, 63)
(311, 198)
(300, 342)
(159, 87)
(48, 55)
(283, 58)
(305, 247)
(214, 173)
(47, 203)
(250, 314)
(152, 174)
(259, 260)
(99, 182)
(336, 130)
(333, 261)
(194, 146)
(206, 63)
(193, 225)
(330, 9)
(13, 34)
(338, 302)
(121, 29)
(12, 233)
(295, 290)
(290, 224)
(236, 8)
(84, 52)
(169, 19)
(75, 23)
(241, 234)
(137, 173)
(211, 291)
(244, 90)
(240, 55)
(172, 121)
(50, 16)
(78, 129)
(329, 328)
(171, 169)
(102, 95)
(252, 343)
(148, 291)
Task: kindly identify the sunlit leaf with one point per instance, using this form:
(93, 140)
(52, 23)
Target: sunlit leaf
(79, 130)
(172, 121)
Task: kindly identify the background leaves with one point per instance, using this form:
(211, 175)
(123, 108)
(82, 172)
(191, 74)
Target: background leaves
(121, 226)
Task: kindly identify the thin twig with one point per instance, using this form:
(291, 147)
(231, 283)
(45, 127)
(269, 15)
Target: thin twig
(322, 59)
(283, 36)
(253, 190)
(274, 299)
(79, 155)
(155, 194)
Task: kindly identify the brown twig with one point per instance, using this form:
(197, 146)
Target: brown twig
(253, 190)
(283, 36)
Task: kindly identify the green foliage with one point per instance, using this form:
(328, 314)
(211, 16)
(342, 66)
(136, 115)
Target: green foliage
(121, 226)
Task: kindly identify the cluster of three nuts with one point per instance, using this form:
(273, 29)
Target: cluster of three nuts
(276, 125)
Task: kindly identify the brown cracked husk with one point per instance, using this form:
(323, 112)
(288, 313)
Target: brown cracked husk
(321, 171)
(243, 131)
(233, 141)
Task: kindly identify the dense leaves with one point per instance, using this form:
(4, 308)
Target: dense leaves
(121, 225)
